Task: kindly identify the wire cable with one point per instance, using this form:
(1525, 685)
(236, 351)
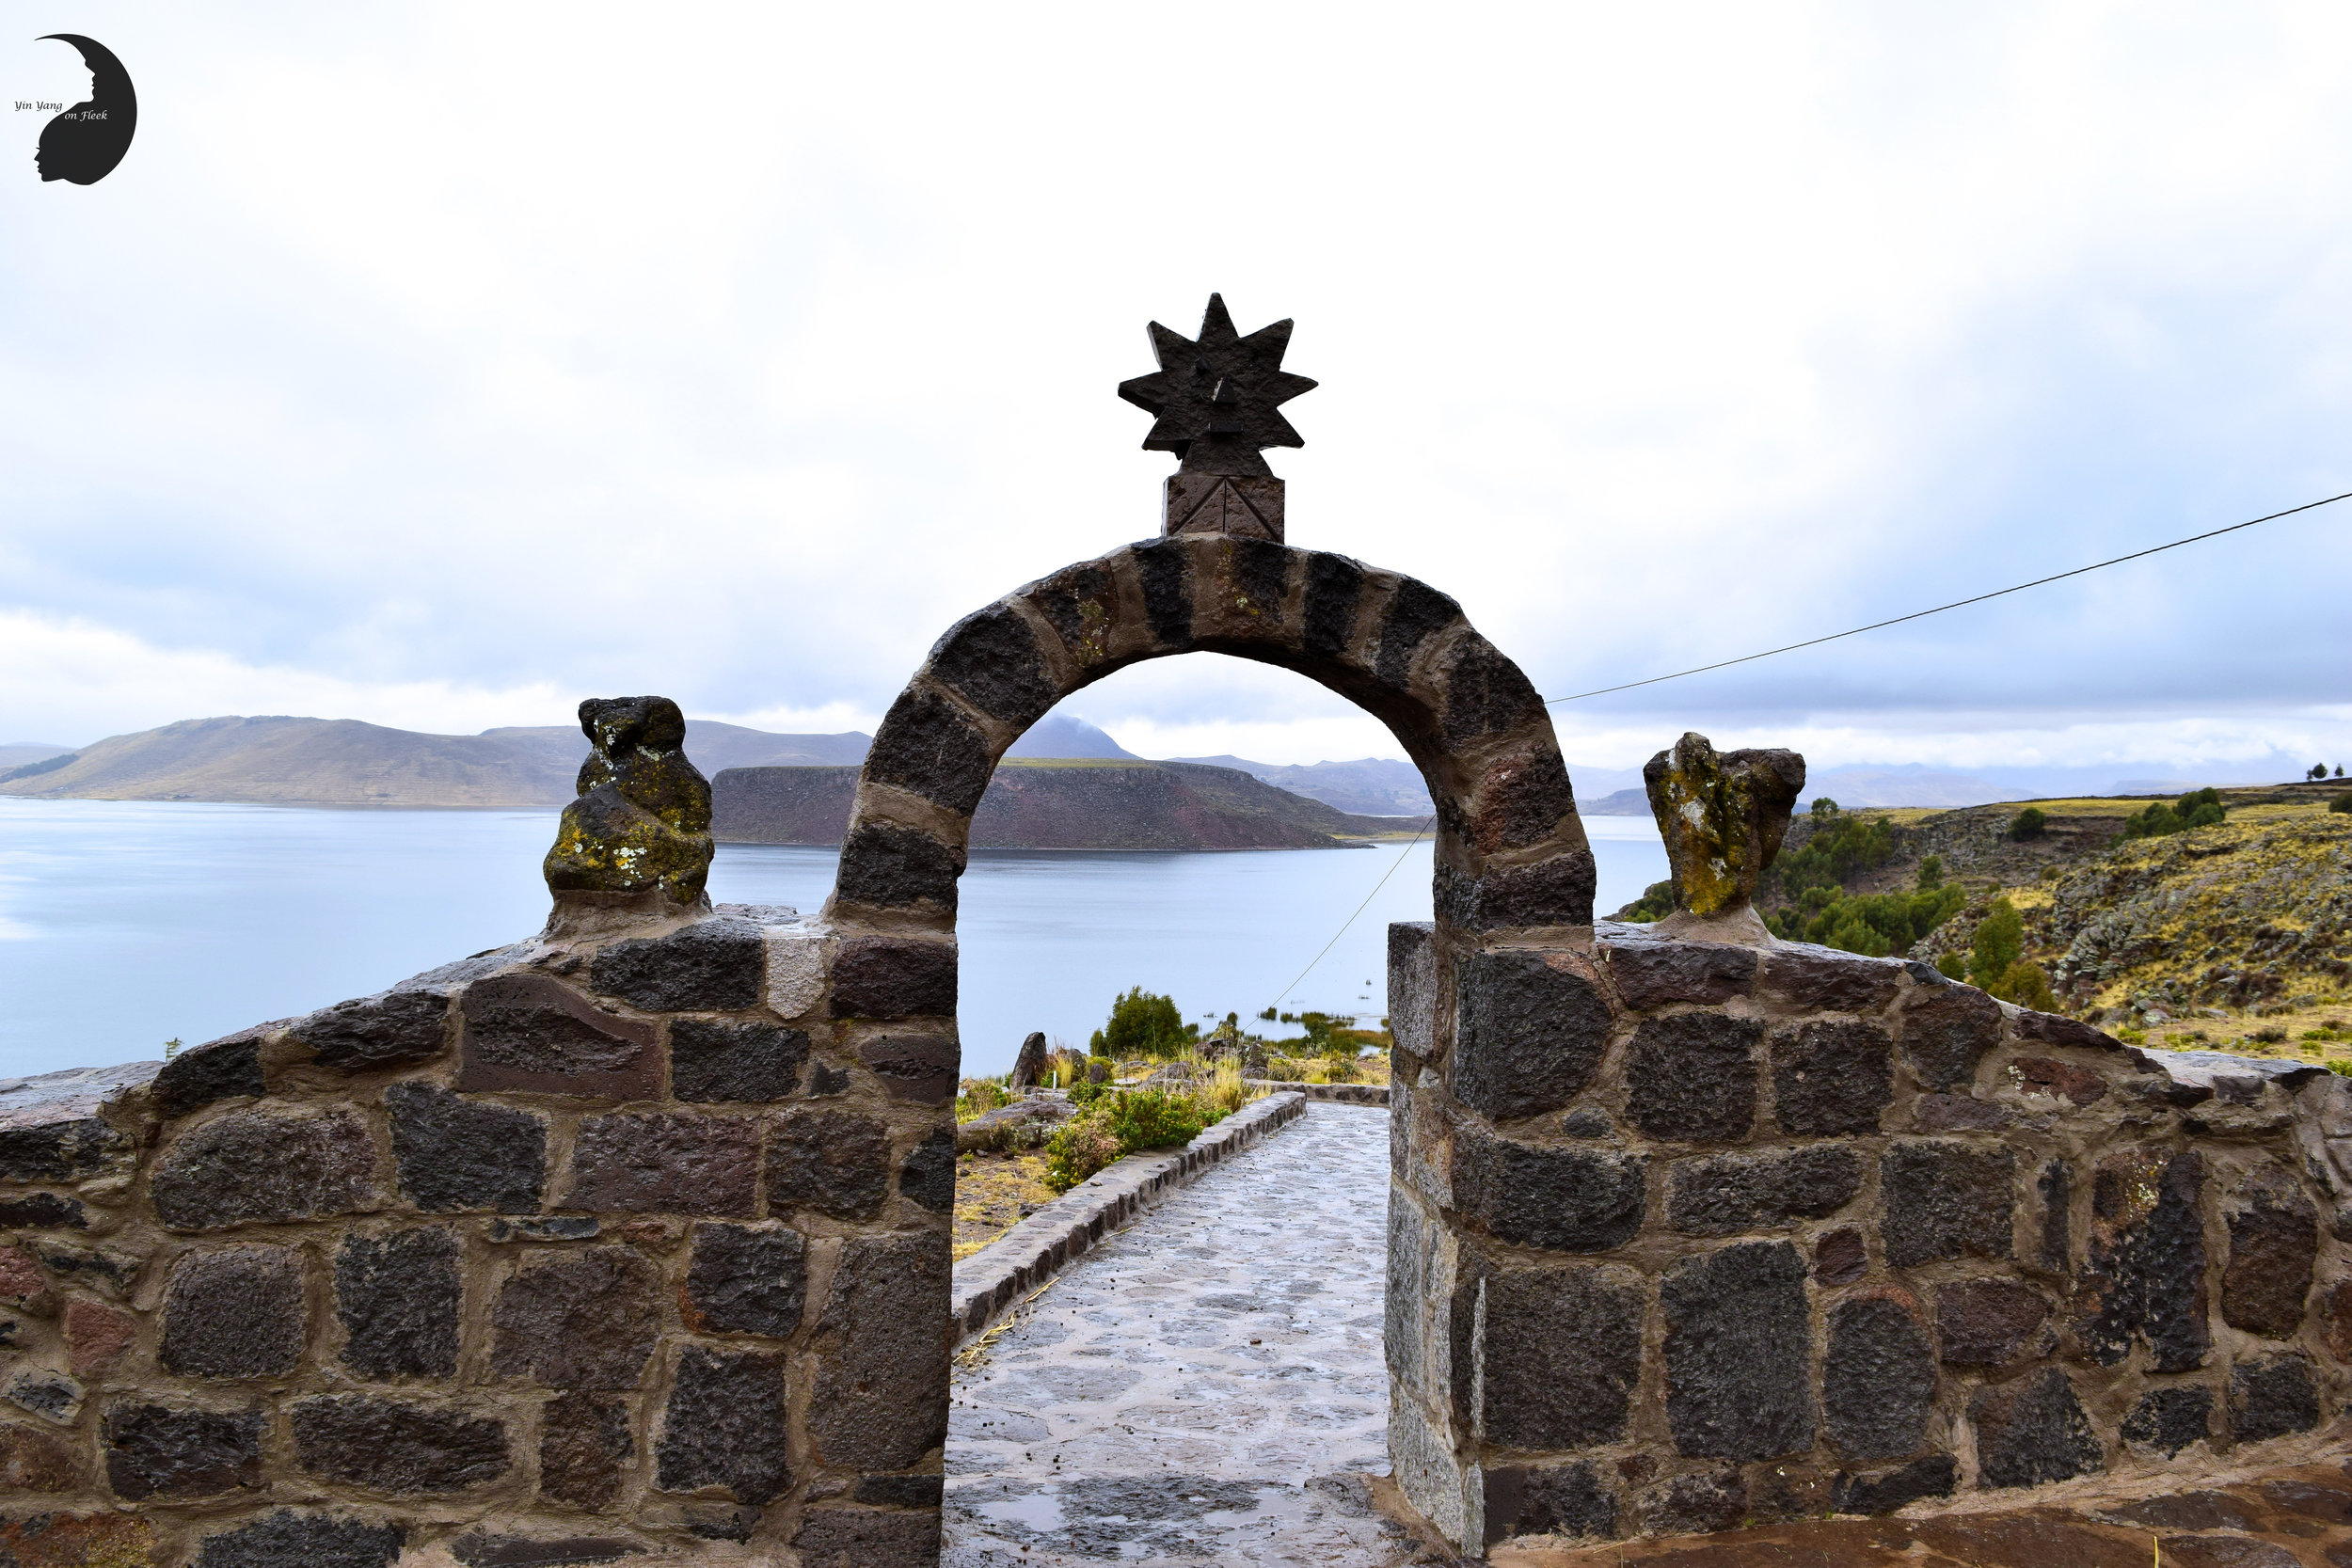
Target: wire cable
(1401, 854)
(1956, 604)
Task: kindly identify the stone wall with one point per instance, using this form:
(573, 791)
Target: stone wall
(1686, 1234)
(627, 1241)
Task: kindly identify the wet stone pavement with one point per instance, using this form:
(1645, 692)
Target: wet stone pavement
(1206, 1385)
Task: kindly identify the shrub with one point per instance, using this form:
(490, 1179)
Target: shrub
(1875, 923)
(1078, 1148)
(2199, 808)
(1842, 845)
(2026, 984)
(1952, 966)
(977, 1097)
(1143, 1024)
(1656, 903)
(2029, 824)
(1999, 942)
(1931, 874)
(1122, 1121)
(2342, 804)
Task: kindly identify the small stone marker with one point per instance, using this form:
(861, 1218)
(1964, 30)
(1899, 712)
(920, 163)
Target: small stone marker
(1030, 1066)
(639, 832)
(1722, 815)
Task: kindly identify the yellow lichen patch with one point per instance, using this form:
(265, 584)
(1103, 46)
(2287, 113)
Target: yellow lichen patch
(990, 1192)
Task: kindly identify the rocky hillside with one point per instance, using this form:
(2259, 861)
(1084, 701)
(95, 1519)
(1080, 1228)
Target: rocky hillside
(1057, 805)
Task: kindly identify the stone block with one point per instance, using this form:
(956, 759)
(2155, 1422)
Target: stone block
(545, 1227)
(111, 1272)
(2055, 1186)
(724, 1425)
(1946, 1032)
(397, 1447)
(585, 1445)
(1935, 1476)
(227, 1068)
(155, 1452)
(864, 1538)
(927, 747)
(49, 1540)
(2146, 1270)
(2271, 1396)
(291, 1539)
(531, 1034)
(397, 1297)
(2032, 1429)
(1738, 1353)
(51, 1395)
(747, 1280)
(914, 1069)
(1820, 980)
(2047, 1075)
(888, 866)
(1650, 974)
(1335, 587)
(881, 1399)
(235, 1312)
(1558, 1356)
(990, 659)
(1413, 987)
(2338, 1320)
(1530, 1033)
(901, 1491)
(42, 1212)
(1553, 892)
(457, 1155)
(1523, 797)
(1832, 1078)
(1520, 802)
(675, 1163)
(744, 1062)
(1990, 1322)
(2274, 1247)
(1567, 1199)
(1841, 1257)
(250, 1167)
(1946, 1199)
(33, 1461)
(2166, 1420)
(1722, 1194)
(713, 966)
(95, 1334)
(1550, 1499)
(580, 1319)
(397, 1029)
(476, 1549)
(928, 1175)
(1165, 574)
(836, 1162)
(1414, 615)
(1958, 1113)
(22, 1280)
(1693, 1077)
(1878, 1378)
(894, 977)
(1695, 1505)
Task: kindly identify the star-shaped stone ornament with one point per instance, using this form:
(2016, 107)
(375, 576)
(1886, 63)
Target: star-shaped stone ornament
(1216, 398)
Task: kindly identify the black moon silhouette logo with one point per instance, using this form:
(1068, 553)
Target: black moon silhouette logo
(83, 144)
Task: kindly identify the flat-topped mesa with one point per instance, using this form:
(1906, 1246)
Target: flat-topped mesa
(1722, 815)
(637, 842)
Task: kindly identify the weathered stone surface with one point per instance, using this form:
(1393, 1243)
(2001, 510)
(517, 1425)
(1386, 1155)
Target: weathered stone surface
(1738, 1353)
(1722, 1195)
(236, 1312)
(1553, 892)
(1586, 1121)
(457, 1155)
(2274, 1245)
(393, 1446)
(881, 1400)
(714, 965)
(916, 1069)
(2046, 1075)
(989, 659)
(2338, 1320)
(1523, 795)
(1557, 1499)
(1946, 1199)
(901, 1491)
(926, 746)
(1028, 1068)
(1722, 815)
(42, 1212)
(397, 1297)
(1935, 1476)
(49, 1540)
(749, 1281)
(580, 1319)
(2167, 1421)
(1691, 1077)
(531, 1034)
(893, 867)
(2032, 1429)
(1824, 980)
(152, 1452)
(227, 1068)
(250, 1168)
(677, 1163)
(1558, 1356)
(1946, 1032)
(724, 1426)
(2055, 1188)
(1841, 1257)
(475, 1549)
(1656, 973)
(711, 1062)
(928, 1175)
(1990, 1322)
(1567, 1199)
(1878, 1380)
(1832, 1078)
(1335, 586)
(1165, 574)
(894, 977)
(2145, 1274)
(1530, 1033)
(95, 1334)
(584, 1442)
(1695, 1505)
(1416, 613)
(641, 822)
(864, 1538)
(837, 1162)
(20, 1276)
(291, 1539)
(1957, 1113)
(396, 1029)
(51, 1395)
(111, 1272)
(35, 1461)
(2271, 1396)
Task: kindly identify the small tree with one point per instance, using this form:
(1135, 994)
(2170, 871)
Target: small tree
(1143, 1024)
(1931, 874)
(2028, 824)
(2000, 941)
(2319, 771)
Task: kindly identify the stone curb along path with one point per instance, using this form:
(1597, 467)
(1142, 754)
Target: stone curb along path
(1338, 1094)
(1032, 1252)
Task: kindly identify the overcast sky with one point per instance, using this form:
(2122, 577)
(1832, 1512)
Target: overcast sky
(442, 365)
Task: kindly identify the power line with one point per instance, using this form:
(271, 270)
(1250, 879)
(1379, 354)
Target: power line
(1956, 604)
(1359, 909)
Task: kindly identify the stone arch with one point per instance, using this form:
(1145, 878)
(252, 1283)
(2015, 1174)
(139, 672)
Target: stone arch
(1510, 851)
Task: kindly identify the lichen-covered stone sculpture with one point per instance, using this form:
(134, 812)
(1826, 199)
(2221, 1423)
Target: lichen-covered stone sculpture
(1722, 815)
(639, 832)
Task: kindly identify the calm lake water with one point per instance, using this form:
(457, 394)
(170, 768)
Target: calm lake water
(125, 924)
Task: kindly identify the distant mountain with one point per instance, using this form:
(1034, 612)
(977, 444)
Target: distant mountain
(1370, 786)
(1056, 805)
(18, 754)
(1063, 735)
(342, 762)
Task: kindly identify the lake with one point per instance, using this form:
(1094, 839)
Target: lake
(125, 924)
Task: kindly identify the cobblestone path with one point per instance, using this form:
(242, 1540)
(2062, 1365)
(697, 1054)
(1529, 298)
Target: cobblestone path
(1206, 1385)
